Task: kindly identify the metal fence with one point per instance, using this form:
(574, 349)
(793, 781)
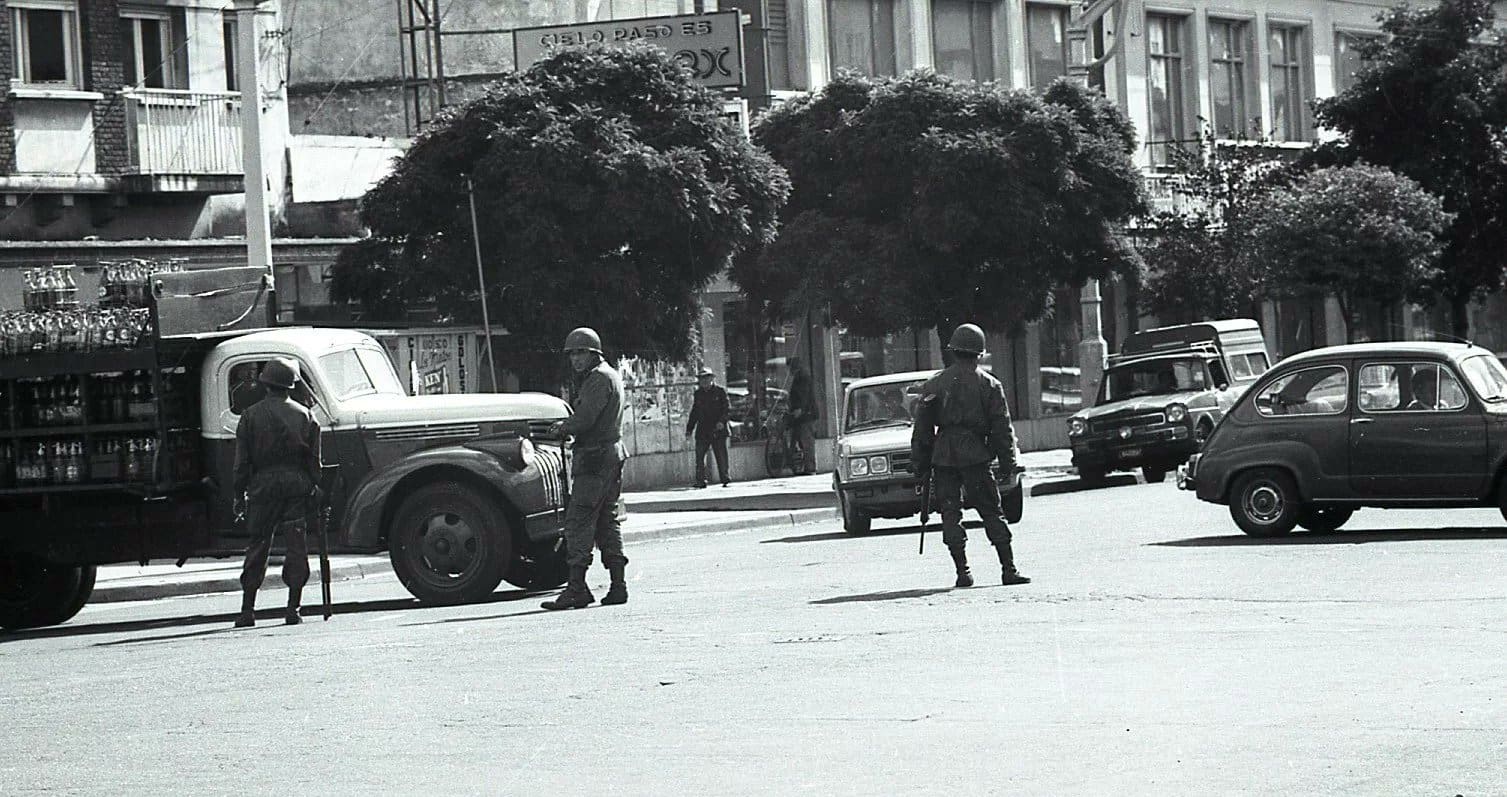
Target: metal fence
(184, 132)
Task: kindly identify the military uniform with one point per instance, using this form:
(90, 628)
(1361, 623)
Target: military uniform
(597, 457)
(962, 425)
(277, 468)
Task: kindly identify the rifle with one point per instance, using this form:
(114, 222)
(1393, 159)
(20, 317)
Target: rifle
(926, 492)
(327, 475)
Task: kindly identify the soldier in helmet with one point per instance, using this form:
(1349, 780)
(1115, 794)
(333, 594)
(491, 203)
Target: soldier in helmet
(276, 474)
(962, 424)
(597, 457)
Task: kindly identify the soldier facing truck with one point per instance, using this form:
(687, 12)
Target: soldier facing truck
(962, 424)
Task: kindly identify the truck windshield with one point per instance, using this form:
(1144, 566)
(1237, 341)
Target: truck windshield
(1155, 378)
(881, 405)
(350, 373)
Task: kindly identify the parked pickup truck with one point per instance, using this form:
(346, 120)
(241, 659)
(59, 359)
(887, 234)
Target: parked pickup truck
(125, 454)
(1162, 396)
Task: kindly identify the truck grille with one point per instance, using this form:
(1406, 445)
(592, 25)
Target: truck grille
(900, 462)
(1135, 422)
(429, 432)
(551, 463)
(539, 430)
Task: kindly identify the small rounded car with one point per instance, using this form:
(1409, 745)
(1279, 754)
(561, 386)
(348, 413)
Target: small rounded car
(1327, 432)
(873, 477)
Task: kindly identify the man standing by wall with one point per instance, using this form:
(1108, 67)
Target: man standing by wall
(802, 417)
(708, 421)
(597, 457)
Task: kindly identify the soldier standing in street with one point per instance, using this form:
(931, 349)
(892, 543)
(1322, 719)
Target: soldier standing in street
(962, 424)
(709, 409)
(597, 457)
(277, 463)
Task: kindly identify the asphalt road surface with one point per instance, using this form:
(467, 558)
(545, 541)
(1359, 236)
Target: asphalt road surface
(1158, 651)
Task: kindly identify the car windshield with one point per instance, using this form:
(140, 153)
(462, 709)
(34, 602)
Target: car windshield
(359, 372)
(1487, 375)
(1155, 378)
(881, 405)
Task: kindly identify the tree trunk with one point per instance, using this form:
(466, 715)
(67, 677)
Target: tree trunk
(1346, 316)
(945, 326)
(1459, 316)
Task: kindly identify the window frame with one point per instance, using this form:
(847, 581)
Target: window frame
(1401, 410)
(987, 61)
(1299, 65)
(1185, 103)
(230, 32)
(1352, 36)
(1063, 14)
(1262, 387)
(1243, 29)
(877, 10)
(20, 44)
(132, 17)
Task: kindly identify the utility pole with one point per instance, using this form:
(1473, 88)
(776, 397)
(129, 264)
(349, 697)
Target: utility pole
(258, 226)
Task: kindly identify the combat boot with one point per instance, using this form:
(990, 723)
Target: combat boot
(960, 561)
(293, 617)
(617, 593)
(247, 617)
(1009, 576)
(576, 594)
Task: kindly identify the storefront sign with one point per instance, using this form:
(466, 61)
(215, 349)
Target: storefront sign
(710, 45)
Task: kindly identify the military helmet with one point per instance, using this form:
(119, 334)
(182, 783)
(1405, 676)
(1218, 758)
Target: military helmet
(583, 338)
(967, 338)
(280, 372)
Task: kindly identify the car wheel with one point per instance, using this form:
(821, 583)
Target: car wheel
(1091, 475)
(854, 520)
(544, 568)
(1154, 475)
(1265, 503)
(1324, 519)
(1202, 431)
(450, 544)
(36, 593)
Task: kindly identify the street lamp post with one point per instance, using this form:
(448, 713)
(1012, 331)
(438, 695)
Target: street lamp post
(258, 226)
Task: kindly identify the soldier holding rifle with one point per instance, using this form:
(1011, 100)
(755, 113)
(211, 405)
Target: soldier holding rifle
(962, 424)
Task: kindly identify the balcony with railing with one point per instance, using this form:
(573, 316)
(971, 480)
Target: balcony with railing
(188, 141)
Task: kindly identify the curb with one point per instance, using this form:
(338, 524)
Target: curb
(359, 570)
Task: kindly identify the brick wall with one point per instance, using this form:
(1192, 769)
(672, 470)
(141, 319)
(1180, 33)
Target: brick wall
(7, 110)
(105, 72)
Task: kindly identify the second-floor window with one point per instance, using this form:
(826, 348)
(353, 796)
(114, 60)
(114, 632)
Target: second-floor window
(44, 42)
(147, 49)
(1348, 62)
(1170, 127)
(862, 35)
(963, 38)
(1229, 62)
(1046, 43)
(1287, 47)
(232, 32)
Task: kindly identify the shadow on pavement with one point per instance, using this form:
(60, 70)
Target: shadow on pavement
(934, 529)
(883, 596)
(1342, 537)
(1073, 484)
(265, 618)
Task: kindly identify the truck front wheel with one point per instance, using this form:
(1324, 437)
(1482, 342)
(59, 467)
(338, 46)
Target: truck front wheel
(35, 593)
(543, 568)
(450, 544)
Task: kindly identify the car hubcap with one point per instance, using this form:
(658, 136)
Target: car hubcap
(1263, 503)
(447, 544)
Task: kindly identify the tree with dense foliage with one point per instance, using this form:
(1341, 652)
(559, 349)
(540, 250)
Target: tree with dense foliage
(1354, 232)
(924, 201)
(609, 189)
(1432, 105)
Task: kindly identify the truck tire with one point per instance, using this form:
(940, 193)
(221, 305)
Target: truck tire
(1265, 503)
(854, 520)
(1153, 475)
(449, 544)
(36, 593)
(544, 568)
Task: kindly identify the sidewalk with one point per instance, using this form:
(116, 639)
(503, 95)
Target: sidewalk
(652, 515)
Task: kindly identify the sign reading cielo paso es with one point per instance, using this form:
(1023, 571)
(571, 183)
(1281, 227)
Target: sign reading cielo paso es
(710, 45)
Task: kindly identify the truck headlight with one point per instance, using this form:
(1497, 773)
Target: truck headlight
(1176, 413)
(1076, 426)
(879, 465)
(527, 452)
(858, 466)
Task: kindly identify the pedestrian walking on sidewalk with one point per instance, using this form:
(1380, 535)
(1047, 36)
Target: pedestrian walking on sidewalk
(802, 417)
(597, 457)
(708, 421)
(962, 424)
(277, 464)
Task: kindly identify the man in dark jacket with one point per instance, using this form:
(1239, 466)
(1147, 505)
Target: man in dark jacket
(802, 417)
(597, 457)
(708, 421)
(277, 464)
(962, 424)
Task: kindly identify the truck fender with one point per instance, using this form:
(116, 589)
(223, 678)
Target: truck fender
(370, 507)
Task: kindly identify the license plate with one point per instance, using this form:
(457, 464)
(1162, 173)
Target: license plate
(1129, 453)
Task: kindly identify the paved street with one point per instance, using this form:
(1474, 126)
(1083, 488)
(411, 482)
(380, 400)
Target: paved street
(1158, 652)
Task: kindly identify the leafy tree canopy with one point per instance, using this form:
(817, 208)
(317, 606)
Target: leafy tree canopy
(1357, 232)
(1432, 105)
(923, 201)
(609, 189)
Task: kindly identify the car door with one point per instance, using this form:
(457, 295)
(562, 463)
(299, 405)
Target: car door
(1416, 432)
(1303, 417)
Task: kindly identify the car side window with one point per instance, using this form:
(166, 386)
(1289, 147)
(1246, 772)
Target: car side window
(1410, 387)
(1312, 391)
(246, 390)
